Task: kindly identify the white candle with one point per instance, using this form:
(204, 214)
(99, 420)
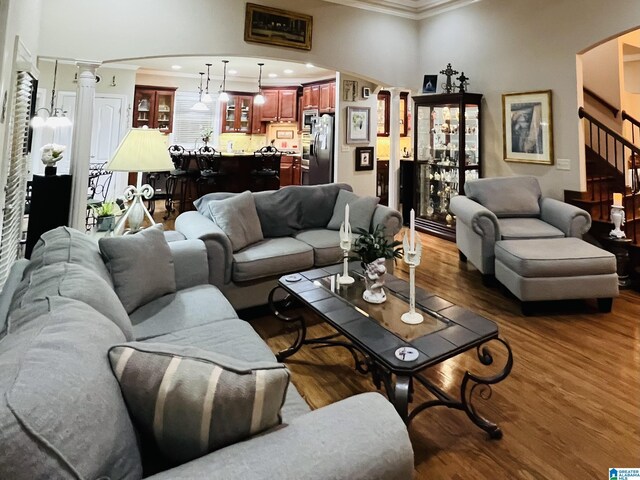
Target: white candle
(346, 215)
(412, 231)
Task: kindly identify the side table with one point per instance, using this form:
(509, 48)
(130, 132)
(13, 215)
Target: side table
(620, 248)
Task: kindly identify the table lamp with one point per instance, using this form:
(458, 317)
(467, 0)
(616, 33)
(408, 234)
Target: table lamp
(141, 150)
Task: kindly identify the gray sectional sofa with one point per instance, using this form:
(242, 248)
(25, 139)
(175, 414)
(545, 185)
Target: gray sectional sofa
(299, 230)
(62, 413)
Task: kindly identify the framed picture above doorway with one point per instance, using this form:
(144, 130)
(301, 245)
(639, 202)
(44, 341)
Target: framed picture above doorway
(274, 26)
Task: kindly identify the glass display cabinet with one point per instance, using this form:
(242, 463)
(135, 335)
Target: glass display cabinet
(153, 107)
(447, 146)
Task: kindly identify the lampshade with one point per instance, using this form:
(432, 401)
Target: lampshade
(141, 150)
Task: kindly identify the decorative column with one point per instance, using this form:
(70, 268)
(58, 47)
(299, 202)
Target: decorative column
(394, 148)
(81, 147)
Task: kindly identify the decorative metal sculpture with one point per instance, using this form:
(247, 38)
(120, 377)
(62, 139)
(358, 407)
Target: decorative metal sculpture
(464, 83)
(449, 72)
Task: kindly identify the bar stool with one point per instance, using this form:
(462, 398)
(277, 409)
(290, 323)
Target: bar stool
(177, 179)
(266, 175)
(208, 160)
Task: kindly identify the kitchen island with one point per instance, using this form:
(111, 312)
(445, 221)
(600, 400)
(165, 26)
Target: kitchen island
(198, 173)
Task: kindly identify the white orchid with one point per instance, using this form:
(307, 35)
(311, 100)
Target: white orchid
(52, 153)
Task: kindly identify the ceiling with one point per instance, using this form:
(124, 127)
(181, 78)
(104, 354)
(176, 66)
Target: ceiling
(414, 9)
(245, 68)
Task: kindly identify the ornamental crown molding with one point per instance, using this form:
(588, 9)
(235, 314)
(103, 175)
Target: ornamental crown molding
(412, 9)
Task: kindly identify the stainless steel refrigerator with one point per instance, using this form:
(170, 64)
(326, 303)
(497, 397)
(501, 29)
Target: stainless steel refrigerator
(321, 151)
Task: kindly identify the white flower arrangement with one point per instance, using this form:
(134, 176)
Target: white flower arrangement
(52, 153)
(206, 132)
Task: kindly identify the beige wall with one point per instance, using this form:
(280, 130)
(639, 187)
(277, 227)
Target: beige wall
(16, 18)
(363, 182)
(516, 46)
(344, 38)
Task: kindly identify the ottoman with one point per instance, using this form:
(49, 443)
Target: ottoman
(556, 269)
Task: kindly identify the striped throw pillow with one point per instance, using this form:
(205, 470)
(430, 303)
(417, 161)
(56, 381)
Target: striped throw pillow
(192, 402)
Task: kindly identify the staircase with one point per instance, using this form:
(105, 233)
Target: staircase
(612, 164)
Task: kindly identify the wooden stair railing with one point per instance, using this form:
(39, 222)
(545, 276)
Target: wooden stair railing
(635, 125)
(613, 109)
(619, 161)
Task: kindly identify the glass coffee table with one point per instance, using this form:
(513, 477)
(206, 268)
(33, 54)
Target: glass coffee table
(394, 353)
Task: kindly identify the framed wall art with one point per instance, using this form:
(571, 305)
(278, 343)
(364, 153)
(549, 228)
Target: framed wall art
(430, 84)
(349, 90)
(358, 124)
(364, 158)
(527, 126)
(281, 28)
(284, 134)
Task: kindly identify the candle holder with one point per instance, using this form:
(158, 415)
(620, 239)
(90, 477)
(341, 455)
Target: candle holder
(412, 258)
(617, 217)
(345, 245)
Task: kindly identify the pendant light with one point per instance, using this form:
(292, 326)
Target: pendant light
(56, 117)
(259, 98)
(199, 106)
(224, 96)
(207, 98)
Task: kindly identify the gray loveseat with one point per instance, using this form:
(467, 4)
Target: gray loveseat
(299, 231)
(62, 413)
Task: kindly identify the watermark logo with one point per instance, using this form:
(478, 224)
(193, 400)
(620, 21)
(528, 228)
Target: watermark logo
(624, 474)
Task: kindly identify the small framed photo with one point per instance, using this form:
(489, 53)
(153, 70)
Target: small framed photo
(527, 127)
(366, 92)
(349, 90)
(358, 124)
(284, 134)
(364, 158)
(430, 84)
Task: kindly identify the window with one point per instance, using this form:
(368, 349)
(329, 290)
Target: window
(187, 123)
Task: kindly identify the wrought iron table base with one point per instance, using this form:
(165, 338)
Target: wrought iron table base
(400, 392)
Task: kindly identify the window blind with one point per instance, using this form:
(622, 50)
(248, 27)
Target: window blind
(187, 124)
(15, 188)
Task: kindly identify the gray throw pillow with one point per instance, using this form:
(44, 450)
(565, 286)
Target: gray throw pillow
(360, 211)
(517, 196)
(191, 401)
(141, 266)
(238, 218)
(73, 281)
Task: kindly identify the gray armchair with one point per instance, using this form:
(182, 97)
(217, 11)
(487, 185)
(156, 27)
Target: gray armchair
(509, 208)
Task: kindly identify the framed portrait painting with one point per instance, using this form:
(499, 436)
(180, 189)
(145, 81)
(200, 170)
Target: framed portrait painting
(358, 124)
(527, 127)
(364, 158)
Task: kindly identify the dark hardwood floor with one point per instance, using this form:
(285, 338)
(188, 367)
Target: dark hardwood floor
(569, 410)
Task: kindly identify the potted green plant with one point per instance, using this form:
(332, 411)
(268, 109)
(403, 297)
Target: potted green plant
(373, 249)
(106, 214)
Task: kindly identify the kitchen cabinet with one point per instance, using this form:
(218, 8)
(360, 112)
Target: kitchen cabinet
(153, 107)
(332, 96)
(310, 96)
(447, 145)
(237, 113)
(325, 102)
(280, 105)
(384, 101)
(290, 170)
(257, 125)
